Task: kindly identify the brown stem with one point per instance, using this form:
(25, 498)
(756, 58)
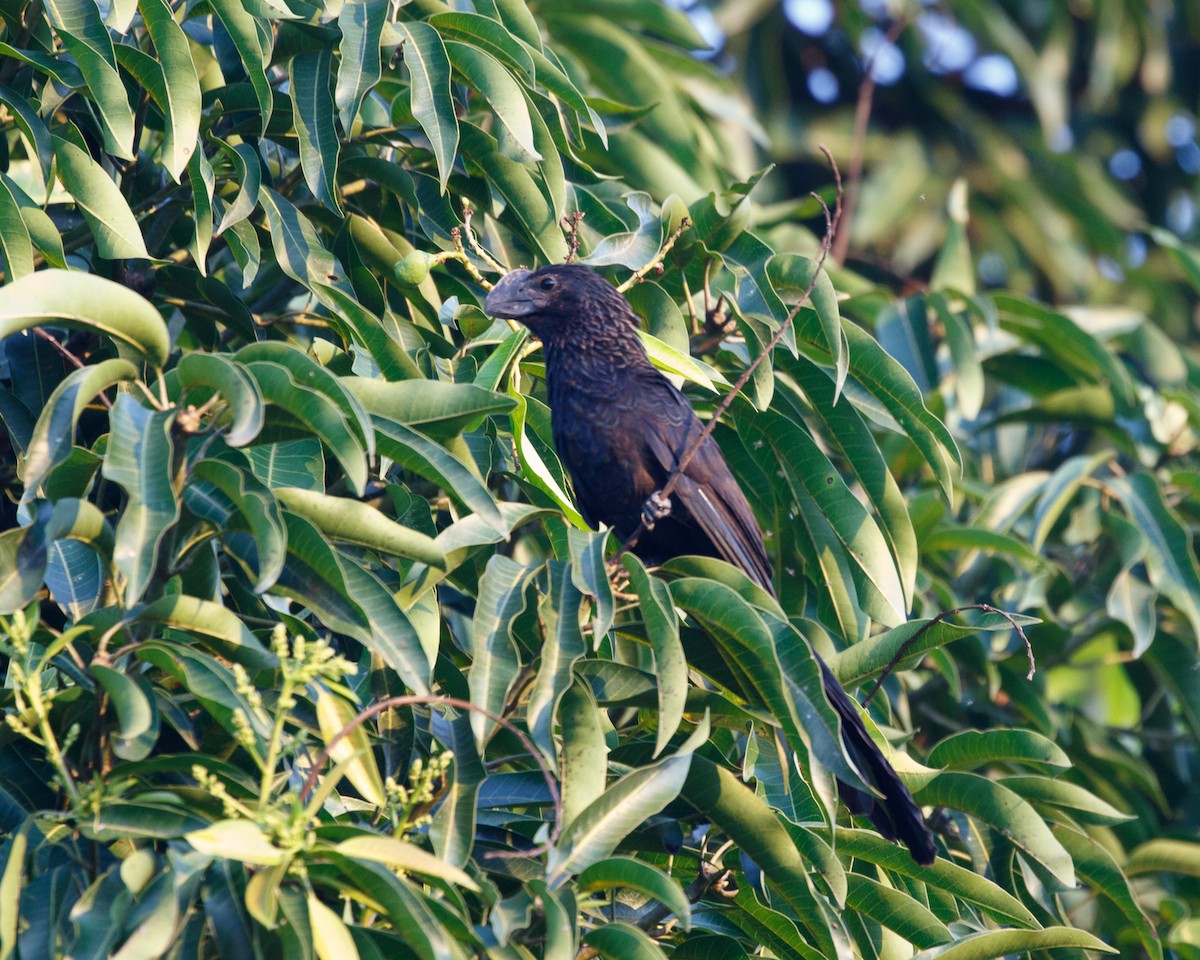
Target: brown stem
(862, 117)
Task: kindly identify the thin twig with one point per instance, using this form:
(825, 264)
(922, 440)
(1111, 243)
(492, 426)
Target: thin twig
(941, 617)
(480, 250)
(862, 118)
(417, 700)
(67, 355)
(571, 222)
(831, 228)
(656, 263)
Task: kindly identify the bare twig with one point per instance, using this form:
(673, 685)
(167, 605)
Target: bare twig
(832, 219)
(571, 222)
(417, 700)
(476, 246)
(656, 263)
(925, 627)
(67, 355)
(862, 118)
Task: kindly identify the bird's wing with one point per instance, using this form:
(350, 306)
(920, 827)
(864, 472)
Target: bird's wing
(707, 490)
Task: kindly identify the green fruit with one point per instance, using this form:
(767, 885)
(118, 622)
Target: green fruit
(414, 267)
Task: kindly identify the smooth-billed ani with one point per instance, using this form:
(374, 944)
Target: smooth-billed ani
(619, 427)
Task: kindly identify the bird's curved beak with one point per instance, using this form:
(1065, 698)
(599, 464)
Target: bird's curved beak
(509, 298)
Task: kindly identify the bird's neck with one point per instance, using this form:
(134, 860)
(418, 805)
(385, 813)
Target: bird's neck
(594, 368)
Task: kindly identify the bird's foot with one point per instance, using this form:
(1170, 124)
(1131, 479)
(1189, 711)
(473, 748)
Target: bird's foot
(655, 509)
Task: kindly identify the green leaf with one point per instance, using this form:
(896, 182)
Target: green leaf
(130, 701)
(1163, 855)
(10, 891)
(351, 752)
(670, 664)
(897, 911)
(487, 35)
(559, 611)
(248, 173)
(595, 833)
(584, 754)
(495, 663)
(292, 463)
(200, 173)
(113, 225)
(436, 407)
(1060, 490)
(534, 467)
(240, 840)
(958, 881)
(999, 943)
(416, 452)
(1004, 810)
(308, 76)
(16, 248)
(140, 459)
(361, 524)
(1085, 806)
(1170, 558)
(220, 491)
(862, 660)
(236, 387)
(37, 137)
(85, 36)
(622, 941)
(53, 436)
(636, 875)
(254, 48)
(970, 749)
(212, 620)
(403, 856)
(361, 23)
(182, 85)
(429, 72)
(486, 74)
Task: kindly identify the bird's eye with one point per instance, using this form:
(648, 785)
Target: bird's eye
(548, 283)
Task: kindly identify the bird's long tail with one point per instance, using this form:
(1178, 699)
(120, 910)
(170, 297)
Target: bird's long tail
(896, 815)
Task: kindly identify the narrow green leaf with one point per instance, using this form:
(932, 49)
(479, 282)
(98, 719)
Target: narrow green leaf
(495, 663)
(563, 645)
(353, 750)
(970, 749)
(212, 620)
(37, 136)
(113, 225)
(182, 109)
(53, 436)
(308, 76)
(999, 943)
(240, 840)
(16, 248)
(622, 941)
(361, 23)
(361, 524)
(1170, 558)
(200, 173)
(670, 664)
(128, 699)
(1083, 805)
(236, 387)
(897, 911)
(86, 37)
(486, 74)
(429, 70)
(595, 833)
(254, 49)
(140, 459)
(435, 407)
(640, 876)
(83, 300)
(1162, 855)
(403, 856)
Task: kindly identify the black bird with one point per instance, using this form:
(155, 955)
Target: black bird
(620, 427)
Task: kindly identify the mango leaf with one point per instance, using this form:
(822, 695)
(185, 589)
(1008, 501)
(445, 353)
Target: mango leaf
(594, 834)
(999, 943)
(637, 875)
(485, 73)
(361, 23)
(670, 664)
(970, 749)
(140, 459)
(84, 301)
(563, 645)
(182, 86)
(495, 663)
(308, 76)
(113, 225)
(352, 752)
(254, 49)
(86, 37)
(429, 72)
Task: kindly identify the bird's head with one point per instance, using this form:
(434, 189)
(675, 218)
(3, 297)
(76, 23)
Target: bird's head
(557, 300)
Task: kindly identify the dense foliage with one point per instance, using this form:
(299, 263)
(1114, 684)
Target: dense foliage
(267, 464)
